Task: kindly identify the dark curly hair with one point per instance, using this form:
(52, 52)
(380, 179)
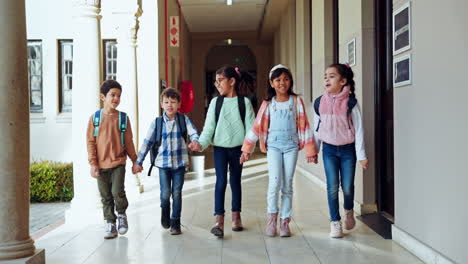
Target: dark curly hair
(109, 84)
(245, 83)
(346, 73)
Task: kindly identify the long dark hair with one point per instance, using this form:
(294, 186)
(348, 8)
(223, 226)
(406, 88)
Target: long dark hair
(245, 83)
(345, 72)
(275, 74)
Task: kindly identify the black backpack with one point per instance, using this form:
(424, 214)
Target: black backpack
(352, 101)
(219, 104)
(180, 121)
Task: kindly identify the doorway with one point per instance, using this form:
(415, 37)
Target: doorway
(384, 107)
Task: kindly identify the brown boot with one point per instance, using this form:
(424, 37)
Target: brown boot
(284, 227)
(218, 228)
(271, 225)
(236, 222)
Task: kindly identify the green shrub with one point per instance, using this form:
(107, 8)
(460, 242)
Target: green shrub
(51, 181)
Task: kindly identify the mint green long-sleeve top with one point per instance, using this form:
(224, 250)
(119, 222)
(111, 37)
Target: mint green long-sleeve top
(230, 131)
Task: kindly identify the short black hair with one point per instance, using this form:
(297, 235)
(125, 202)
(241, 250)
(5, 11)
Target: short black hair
(109, 84)
(170, 93)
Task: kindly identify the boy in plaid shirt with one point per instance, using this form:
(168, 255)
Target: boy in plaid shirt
(172, 157)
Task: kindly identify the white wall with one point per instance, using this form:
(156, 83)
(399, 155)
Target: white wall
(50, 131)
(50, 20)
(430, 130)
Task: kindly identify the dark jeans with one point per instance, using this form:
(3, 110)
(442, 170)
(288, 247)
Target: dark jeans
(112, 189)
(222, 158)
(171, 181)
(340, 164)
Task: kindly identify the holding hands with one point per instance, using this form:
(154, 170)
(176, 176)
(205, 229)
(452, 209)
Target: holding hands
(245, 156)
(137, 168)
(313, 159)
(195, 146)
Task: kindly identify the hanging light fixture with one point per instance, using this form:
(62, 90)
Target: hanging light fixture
(229, 41)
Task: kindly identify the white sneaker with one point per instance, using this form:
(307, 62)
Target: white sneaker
(111, 231)
(349, 221)
(336, 231)
(122, 223)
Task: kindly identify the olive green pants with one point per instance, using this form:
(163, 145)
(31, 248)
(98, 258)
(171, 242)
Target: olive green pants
(111, 185)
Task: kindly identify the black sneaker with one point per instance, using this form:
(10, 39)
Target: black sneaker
(165, 217)
(175, 227)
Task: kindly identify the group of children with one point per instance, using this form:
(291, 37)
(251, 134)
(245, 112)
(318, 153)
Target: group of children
(281, 127)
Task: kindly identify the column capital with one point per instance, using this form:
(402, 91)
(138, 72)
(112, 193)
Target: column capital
(87, 3)
(128, 24)
(87, 8)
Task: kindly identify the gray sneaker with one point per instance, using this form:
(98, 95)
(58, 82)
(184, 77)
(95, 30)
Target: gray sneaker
(122, 223)
(111, 231)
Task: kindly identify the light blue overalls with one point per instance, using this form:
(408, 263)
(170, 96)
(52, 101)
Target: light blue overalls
(283, 147)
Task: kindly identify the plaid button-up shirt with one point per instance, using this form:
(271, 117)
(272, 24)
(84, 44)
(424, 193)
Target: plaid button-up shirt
(173, 151)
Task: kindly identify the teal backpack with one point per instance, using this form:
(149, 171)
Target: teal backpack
(122, 124)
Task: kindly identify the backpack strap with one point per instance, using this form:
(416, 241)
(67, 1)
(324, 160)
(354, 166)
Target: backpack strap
(219, 104)
(182, 125)
(352, 101)
(122, 126)
(316, 108)
(241, 103)
(157, 142)
(97, 121)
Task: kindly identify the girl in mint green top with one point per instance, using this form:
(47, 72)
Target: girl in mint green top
(227, 136)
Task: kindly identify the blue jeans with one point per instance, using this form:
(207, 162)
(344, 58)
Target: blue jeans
(339, 161)
(282, 159)
(222, 158)
(171, 181)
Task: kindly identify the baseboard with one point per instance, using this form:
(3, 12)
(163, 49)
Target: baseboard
(359, 209)
(417, 248)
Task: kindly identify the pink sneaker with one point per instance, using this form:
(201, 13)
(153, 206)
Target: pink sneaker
(336, 231)
(271, 225)
(284, 227)
(349, 221)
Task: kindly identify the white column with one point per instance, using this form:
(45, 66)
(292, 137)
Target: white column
(127, 13)
(127, 28)
(15, 242)
(85, 206)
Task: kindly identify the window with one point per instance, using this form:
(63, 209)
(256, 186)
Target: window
(35, 75)
(110, 59)
(66, 74)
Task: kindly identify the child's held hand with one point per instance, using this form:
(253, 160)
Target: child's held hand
(364, 163)
(137, 168)
(94, 171)
(195, 146)
(244, 157)
(313, 159)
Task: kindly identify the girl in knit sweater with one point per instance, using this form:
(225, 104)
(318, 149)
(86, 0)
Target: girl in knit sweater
(338, 124)
(226, 130)
(282, 128)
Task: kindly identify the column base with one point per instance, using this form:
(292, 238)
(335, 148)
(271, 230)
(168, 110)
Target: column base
(37, 258)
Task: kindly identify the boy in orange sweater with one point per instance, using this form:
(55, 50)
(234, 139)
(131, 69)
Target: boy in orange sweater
(109, 141)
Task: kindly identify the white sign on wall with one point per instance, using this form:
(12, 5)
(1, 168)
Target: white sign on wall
(174, 31)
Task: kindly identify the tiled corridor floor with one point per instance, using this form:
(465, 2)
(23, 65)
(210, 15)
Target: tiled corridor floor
(147, 242)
